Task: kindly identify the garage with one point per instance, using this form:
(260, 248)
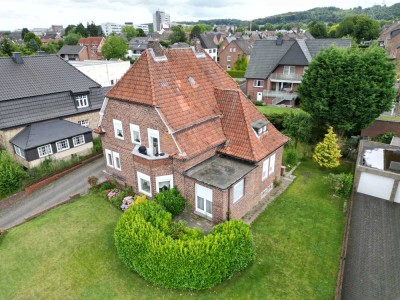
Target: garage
(378, 171)
(375, 185)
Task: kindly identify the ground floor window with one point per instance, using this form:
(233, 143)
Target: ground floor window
(19, 151)
(113, 159)
(45, 150)
(78, 140)
(164, 182)
(144, 183)
(238, 190)
(62, 145)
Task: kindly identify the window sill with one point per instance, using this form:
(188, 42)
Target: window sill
(145, 193)
(135, 152)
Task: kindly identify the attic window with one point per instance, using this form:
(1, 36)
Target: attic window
(191, 81)
(260, 127)
(163, 83)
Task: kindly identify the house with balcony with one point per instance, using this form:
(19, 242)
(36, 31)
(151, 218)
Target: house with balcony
(177, 119)
(276, 67)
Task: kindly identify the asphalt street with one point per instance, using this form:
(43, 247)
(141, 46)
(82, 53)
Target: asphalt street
(52, 194)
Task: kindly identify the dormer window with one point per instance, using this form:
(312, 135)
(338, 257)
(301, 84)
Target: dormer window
(260, 127)
(82, 101)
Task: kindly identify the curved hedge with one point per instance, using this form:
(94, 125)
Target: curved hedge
(191, 262)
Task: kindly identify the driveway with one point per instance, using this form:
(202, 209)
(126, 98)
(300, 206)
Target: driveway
(52, 194)
(372, 268)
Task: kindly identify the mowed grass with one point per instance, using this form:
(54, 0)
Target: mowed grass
(277, 110)
(69, 253)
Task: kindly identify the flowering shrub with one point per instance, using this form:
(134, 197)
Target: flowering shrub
(126, 202)
(113, 193)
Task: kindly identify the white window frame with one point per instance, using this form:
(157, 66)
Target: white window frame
(60, 143)
(48, 146)
(238, 191)
(84, 123)
(134, 128)
(144, 177)
(118, 126)
(116, 157)
(258, 83)
(265, 169)
(110, 162)
(289, 70)
(234, 49)
(76, 142)
(272, 164)
(82, 101)
(152, 133)
(228, 58)
(159, 179)
(19, 151)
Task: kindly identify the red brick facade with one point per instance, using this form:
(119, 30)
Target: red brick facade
(380, 127)
(195, 122)
(228, 55)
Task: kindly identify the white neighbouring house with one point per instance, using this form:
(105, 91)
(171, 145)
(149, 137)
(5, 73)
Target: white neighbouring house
(104, 72)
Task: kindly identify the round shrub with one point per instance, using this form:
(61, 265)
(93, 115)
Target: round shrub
(171, 200)
(188, 261)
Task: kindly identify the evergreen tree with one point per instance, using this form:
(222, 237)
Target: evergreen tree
(23, 32)
(196, 31)
(6, 47)
(327, 152)
(92, 29)
(81, 30)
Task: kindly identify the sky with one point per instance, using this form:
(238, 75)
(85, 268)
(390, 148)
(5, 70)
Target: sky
(43, 13)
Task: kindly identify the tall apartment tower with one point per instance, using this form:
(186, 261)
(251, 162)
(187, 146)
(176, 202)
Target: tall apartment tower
(161, 20)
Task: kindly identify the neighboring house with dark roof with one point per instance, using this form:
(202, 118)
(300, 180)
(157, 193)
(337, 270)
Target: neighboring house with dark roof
(209, 46)
(73, 52)
(93, 46)
(231, 52)
(137, 45)
(37, 89)
(276, 68)
(389, 38)
(177, 119)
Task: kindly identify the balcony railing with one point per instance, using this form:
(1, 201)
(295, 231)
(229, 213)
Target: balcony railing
(279, 96)
(279, 77)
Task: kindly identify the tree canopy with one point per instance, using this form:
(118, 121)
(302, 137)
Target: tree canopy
(81, 30)
(129, 32)
(362, 28)
(93, 30)
(318, 30)
(23, 32)
(348, 88)
(114, 47)
(178, 35)
(195, 32)
(72, 38)
(298, 126)
(6, 47)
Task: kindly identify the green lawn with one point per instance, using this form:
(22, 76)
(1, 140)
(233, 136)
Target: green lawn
(69, 252)
(389, 118)
(277, 110)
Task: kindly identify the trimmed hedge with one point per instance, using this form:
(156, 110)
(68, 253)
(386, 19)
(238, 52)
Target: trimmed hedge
(145, 243)
(171, 200)
(236, 73)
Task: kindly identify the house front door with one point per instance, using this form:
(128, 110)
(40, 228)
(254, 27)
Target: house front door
(204, 200)
(259, 96)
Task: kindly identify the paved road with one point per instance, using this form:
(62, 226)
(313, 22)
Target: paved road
(54, 193)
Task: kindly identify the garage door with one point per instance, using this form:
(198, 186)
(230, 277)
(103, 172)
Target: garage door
(375, 185)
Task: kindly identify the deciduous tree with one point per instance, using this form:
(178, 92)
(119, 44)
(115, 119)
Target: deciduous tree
(318, 30)
(6, 47)
(348, 88)
(23, 32)
(327, 152)
(114, 47)
(178, 35)
(298, 126)
(72, 38)
(129, 32)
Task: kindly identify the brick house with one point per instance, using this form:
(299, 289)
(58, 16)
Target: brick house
(93, 46)
(73, 52)
(229, 53)
(177, 119)
(47, 108)
(389, 38)
(276, 68)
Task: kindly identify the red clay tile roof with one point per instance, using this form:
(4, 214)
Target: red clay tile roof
(182, 86)
(237, 115)
(90, 40)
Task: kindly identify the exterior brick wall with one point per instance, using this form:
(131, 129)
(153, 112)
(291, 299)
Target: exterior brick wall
(147, 117)
(252, 90)
(225, 51)
(380, 127)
